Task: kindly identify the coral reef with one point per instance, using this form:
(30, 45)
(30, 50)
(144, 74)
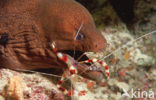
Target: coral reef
(131, 58)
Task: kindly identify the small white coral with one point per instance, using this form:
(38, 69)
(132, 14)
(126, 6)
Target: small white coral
(141, 59)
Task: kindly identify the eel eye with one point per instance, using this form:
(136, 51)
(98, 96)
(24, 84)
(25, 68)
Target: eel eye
(80, 36)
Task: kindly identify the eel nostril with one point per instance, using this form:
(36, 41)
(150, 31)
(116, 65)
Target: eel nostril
(96, 45)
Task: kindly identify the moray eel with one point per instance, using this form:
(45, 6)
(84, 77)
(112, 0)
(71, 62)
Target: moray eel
(28, 28)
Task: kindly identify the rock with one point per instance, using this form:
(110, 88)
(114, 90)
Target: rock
(115, 96)
(123, 85)
(112, 82)
(153, 71)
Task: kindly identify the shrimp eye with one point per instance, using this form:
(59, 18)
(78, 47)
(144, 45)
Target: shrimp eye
(80, 36)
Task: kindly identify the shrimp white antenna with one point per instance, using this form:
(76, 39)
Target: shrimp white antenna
(78, 31)
(125, 45)
(37, 72)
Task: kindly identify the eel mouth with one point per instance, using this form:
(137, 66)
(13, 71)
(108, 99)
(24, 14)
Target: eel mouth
(84, 68)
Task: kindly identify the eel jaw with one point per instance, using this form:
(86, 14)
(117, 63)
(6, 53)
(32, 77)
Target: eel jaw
(84, 68)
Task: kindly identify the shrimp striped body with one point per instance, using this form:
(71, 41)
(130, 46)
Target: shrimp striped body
(72, 71)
